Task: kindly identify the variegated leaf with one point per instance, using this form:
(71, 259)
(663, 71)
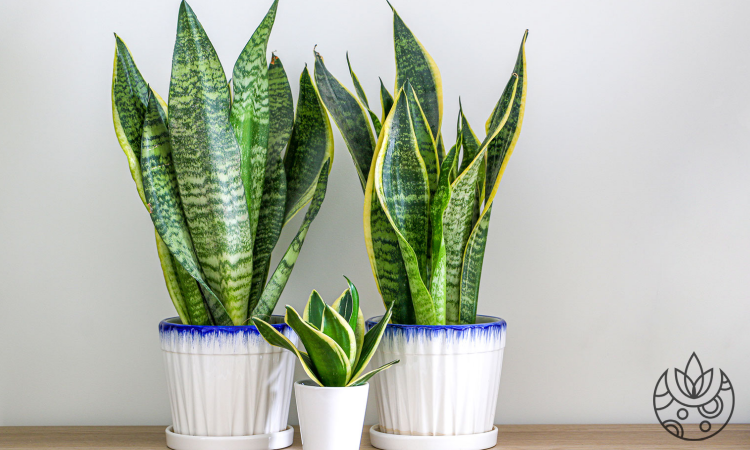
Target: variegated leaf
(471, 272)
(370, 344)
(336, 327)
(386, 101)
(366, 377)
(363, 98)
(425, 141)
(273, 337)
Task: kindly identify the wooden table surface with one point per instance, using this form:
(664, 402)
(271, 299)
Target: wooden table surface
(537, 437)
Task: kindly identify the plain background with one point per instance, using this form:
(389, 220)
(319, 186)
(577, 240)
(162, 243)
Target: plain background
(619, 245)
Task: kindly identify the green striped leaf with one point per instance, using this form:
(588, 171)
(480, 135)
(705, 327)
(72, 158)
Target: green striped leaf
(471, 272)
(310, 145)
(386, 101)
(165, 206)
(359, 328)
(249, 114)
(354, 294)
(350, 117)
(437, 207)
(278, 280)
(363, 98)
(370, 344)
(402, 187)
(207, 162)
(336, 327)
(273, 337)
(425, 142)
(329, 360)
(168, 267)
(471, 144)
(273, 202)
(313, 313)
(362, 380)
(413, 63)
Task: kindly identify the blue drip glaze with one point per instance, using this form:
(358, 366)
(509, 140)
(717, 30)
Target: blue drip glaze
(214, 331)
(495, 327)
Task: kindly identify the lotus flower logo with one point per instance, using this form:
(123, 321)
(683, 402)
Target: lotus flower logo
(694, 404)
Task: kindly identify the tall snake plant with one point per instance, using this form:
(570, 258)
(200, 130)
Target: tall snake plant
(208, 166)
(426, 214)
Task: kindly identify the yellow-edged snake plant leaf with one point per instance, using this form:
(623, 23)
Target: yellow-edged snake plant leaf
(342, 304)
(336, 327)
(168, 266)
(207, 162)
(413, 63)
(350, 117)
(328, 358)
(349, 314)
(313, 312)
(275, 286)
(403, 189)
(310, 145)
(437, 207)
(273, 337)
(386, 101)
(500, 146)
(249, 113)
(370, 344)
(366, 377)
(470, 142)
(425, 141)
(164, 203)
(273, 202)
(363, 98)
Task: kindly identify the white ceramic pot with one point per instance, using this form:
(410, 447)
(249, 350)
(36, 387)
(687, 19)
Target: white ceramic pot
(330, 418)
(445, 385)
(227, 382)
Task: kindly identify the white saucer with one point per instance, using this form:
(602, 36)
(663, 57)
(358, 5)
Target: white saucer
(386, 441)
(271, 441)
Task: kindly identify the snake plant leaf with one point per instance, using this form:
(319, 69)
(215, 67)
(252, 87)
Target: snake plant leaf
(366, 377)
(359, 328)
(370, 344)
(249, 114)
(471, 272)
(350, 117)
(191, 293)
(386, 101)
(207, 162)
(470, 142)
(345, 305)
(310, 145)
(384, 253)
(273, 202)
(165, 206)
(363, 98)
(413, 63)
(437, 207)
(168, 266)
(129, 98)
(273, 337)
(425, 141)
(501, 147)
(402, 187)
(275, 286)
(330, 361)
(313, 313)
(336, 327)
(354, 293)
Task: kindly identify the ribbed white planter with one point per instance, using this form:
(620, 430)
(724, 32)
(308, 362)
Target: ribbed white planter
(445, 385)
(227, 381)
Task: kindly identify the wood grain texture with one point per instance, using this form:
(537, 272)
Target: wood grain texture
(511, 437)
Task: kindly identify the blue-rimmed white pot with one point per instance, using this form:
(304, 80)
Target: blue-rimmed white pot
(446, 383)
(227, 381)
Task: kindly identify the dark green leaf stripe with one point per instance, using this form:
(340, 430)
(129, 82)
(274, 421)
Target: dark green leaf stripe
(168, 266)
(386, 101)
(437, 207)
(191, 293)
(350, 117)
(278, 280)
(363, 98)
(249, 113)
(273, 337)
(330, 361)
(471, 272)
(402, 187)
(470, 142)
(413, 63)
(129, 98)
(425, 142)
(207, 162)
(273, 202)
(310, 144)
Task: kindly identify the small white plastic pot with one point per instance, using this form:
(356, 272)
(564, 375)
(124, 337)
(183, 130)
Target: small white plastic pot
(330, 418)
(443, 393)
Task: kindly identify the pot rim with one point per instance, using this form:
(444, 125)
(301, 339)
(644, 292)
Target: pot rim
(171, 324)
(329, 388)
(493, 322)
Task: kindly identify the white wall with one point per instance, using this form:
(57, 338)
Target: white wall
(620, 241)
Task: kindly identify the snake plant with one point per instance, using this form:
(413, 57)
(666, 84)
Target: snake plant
(338, 349)
(426, 214)
(209, 166)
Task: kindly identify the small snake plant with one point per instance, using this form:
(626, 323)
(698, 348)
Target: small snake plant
(338, 349)
(209, 168)
(426, 215)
